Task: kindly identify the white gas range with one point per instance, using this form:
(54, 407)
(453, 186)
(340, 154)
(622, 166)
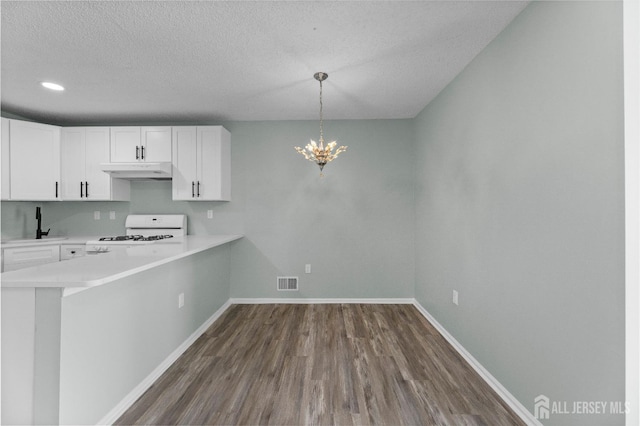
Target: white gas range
(143, 229)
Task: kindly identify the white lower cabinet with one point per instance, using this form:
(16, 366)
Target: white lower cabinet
(201, 163)
(34, 255)
(34, 150)
(82, 151)
(26, 257)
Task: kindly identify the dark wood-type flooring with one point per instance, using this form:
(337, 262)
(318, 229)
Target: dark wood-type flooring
(321, 365)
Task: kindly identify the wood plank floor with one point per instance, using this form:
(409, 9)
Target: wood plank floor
(320, 365)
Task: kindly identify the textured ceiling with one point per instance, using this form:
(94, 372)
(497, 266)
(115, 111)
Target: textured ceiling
(187, 62)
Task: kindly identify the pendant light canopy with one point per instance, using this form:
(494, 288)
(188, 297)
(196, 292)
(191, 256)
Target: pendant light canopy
(318, 152)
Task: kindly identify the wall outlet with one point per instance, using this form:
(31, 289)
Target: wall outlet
(96, 215)
(209, 214)
(112, 215)
(455, 297)
(180, 300)
(307, 268)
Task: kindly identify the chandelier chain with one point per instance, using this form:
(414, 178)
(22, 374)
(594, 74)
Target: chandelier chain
(321, 135)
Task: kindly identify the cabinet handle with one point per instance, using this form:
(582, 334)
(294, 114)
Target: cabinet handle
(142, 150)
(198, 188)
(193, 190)
(137, 152)
(56, 189)
(72, 252)
(86, 189)
(81, 188)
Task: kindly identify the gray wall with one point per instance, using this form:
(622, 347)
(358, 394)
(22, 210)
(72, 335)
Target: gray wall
(19, 219)
(520, 207)
(354, 225)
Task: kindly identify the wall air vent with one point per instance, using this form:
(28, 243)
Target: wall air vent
(287, 283)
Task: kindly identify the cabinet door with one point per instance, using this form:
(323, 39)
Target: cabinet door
(26, 257)
(125, 144)
(97, 182)
(157, 144)
(72, 154)
(35, 160)
(185, 174)
(5, 179)
(214, 163)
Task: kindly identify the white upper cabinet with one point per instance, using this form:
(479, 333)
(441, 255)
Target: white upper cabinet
(214, 163)
(82, 151)
(201, 163)
(34, 161)
(134, 144)
(41, 162)
(99, 185)
(72, 147)
(125, 144)
(185, 162)
(5, 192)
(156, 144)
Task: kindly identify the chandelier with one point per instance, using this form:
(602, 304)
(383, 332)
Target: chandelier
(318, 152)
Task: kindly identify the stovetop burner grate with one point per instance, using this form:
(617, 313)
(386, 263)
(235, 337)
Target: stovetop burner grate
(136, 238)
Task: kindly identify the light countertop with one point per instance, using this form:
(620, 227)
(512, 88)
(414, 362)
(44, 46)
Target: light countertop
(97, 269)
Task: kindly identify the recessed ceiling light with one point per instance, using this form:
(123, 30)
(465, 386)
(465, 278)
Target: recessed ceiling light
(52, 86)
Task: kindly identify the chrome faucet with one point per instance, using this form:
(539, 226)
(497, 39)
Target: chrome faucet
(39, 231)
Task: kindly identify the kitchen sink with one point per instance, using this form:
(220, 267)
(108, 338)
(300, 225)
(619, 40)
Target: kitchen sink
(33, 240)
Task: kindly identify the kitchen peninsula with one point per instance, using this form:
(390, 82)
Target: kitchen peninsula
(82, 337)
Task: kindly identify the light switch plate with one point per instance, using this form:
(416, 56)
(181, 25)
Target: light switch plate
(96, 215)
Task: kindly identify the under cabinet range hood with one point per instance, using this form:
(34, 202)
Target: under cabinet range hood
(138, 170)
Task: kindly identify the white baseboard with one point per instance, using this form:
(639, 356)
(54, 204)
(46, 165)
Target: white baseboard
(133, 396)
(260, 301)
(502, 392)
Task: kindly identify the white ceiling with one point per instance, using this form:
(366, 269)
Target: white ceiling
(188, 62)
